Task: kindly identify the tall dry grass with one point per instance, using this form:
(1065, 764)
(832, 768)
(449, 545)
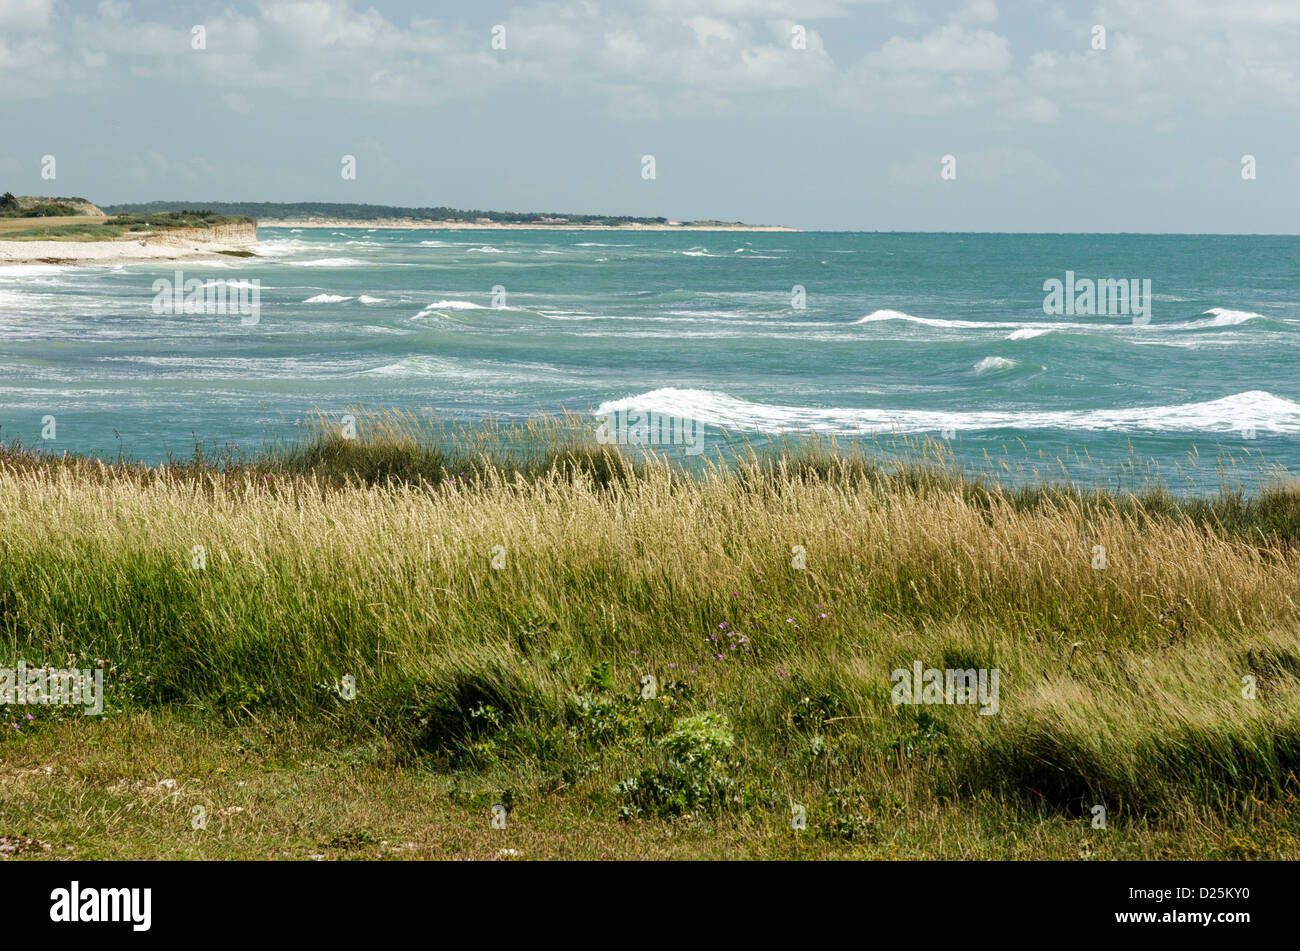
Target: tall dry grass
(498, 603)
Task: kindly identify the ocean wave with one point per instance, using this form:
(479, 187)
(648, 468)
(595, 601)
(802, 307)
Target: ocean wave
(1258, 409)
(489, 372)
(1223, 317)
(417, 366)
(326, 299)
(327, 262)
(367, 299)
(454, 305)
(990, 364)
(31, 270)
(879, 316)
(1219, 317)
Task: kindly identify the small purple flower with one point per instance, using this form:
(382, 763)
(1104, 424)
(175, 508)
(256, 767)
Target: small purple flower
(722, 625)
(30, 717)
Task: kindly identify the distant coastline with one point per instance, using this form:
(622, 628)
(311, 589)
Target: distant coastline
(408, 224)
(73, 231)
(319, 214)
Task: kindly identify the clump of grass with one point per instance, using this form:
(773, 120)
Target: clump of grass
(694, 776)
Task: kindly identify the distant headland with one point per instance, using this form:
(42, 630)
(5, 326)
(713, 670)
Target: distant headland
(349, 215)
(52, 230)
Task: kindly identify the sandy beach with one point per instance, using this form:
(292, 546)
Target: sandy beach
(162, 247)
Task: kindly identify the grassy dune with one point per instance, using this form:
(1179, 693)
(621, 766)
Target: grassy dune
(87, 228)
(500, 609)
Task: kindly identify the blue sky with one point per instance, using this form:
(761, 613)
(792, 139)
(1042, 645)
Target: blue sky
(1048, 133)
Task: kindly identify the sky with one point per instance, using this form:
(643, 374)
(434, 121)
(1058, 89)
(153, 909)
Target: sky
(818, 114)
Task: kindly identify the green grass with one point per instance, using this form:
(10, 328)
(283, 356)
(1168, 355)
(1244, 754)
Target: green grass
(117, 226)
(500, 597)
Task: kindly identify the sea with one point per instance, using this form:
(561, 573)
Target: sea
(1182, 367)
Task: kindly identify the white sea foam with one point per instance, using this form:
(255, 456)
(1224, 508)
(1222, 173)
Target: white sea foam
(416, 366)
(454, 305)
(30, 270)
(487, 372)
(989, 364)
(880, 316)
(367, 299)
(1256, 408)
(1222, 318)
(327, 262)
(1022, 331)
(326, 299)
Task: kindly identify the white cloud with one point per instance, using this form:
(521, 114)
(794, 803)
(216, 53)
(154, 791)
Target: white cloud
(1036, 109)
(671, 57)
(950, 48)
(25, 14)
(740, 9)
(977, 11)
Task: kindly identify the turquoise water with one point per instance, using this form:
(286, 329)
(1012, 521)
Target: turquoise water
(938, 335)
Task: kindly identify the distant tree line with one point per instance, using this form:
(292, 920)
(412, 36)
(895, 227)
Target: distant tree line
(350, 211)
